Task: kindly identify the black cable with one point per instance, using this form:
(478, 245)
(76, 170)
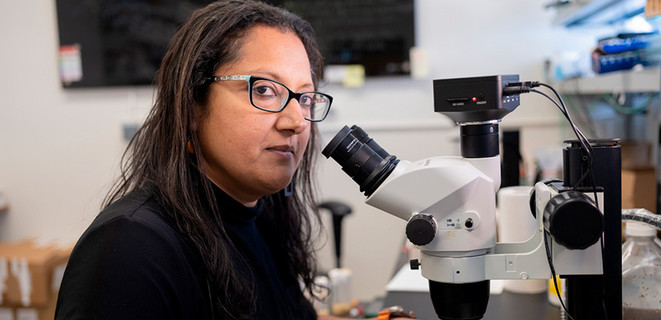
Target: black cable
(514, 88)
(579, 135)
(553, 275)
(524, 87)
(583, 110)
(585, 144)
(571, 122)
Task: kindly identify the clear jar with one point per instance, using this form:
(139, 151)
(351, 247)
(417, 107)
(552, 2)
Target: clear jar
(641, 273)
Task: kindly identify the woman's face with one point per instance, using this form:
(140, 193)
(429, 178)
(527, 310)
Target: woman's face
(247, 152)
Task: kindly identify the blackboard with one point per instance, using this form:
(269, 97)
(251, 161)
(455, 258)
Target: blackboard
(377, 34)
(120, 42)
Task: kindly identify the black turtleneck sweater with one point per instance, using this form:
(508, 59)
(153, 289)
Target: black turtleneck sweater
(132, 263)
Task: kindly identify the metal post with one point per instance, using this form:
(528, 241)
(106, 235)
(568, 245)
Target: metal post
(599, 297)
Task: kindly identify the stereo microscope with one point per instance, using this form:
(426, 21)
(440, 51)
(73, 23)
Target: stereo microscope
(450, 204)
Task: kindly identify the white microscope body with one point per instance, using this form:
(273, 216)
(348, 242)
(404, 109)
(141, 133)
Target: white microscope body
(458, 196)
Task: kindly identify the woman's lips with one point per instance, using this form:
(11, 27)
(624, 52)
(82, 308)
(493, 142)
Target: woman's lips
(282, 149)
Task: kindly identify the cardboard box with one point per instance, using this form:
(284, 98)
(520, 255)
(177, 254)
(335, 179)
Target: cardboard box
(639, 188)
(46, 312)
(30, 276)
(636, 154)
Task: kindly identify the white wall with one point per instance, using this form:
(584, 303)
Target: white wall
(60, 149)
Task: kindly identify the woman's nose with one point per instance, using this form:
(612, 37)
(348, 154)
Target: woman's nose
(291, 118)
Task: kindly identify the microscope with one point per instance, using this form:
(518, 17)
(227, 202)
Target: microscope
(449, 203)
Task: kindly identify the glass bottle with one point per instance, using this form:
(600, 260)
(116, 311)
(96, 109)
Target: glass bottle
(641, 273)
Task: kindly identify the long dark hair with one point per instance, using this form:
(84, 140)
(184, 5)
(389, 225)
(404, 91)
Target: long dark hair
(157, 156)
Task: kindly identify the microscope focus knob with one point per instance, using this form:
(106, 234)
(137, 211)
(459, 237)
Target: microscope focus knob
(421, 229)
(574, 220)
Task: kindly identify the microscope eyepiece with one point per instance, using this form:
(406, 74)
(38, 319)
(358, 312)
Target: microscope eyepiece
(361, 158)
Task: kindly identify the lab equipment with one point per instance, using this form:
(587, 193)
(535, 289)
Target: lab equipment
(338, 211)
(340, 279)
(641, 273)
(449, 202)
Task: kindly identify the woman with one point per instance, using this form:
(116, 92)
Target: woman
(209, 219)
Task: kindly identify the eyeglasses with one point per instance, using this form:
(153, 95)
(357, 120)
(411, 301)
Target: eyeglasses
(272, 96)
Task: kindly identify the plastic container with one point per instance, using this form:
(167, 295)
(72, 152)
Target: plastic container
(341, 291)
(641, 273)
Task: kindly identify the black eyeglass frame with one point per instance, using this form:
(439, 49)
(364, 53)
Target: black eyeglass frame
(291, 94)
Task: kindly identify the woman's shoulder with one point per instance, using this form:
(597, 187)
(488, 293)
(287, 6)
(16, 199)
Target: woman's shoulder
(134, 237)
(131, 262)
(139, 206)
(139, 217)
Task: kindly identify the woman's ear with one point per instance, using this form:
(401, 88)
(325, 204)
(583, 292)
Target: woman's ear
(189, 143)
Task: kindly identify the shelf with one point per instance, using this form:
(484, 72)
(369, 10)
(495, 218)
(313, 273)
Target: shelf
(597, 12)
(644, 80)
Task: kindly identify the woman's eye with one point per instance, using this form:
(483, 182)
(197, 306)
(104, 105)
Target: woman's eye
(264, 90)
(306, 100)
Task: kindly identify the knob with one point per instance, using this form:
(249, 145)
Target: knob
(421, 229)
(414, 264)
(573, 220)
